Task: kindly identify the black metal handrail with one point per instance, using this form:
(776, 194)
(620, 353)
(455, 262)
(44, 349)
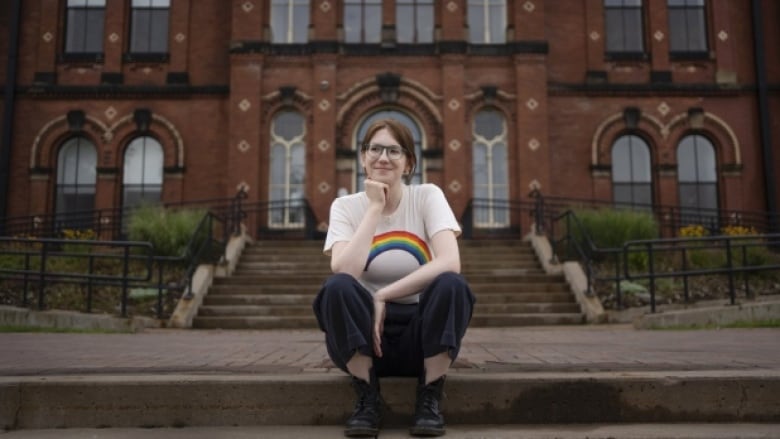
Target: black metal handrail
(206, 245)
(501, 218)
(735, 249)
(575, 243)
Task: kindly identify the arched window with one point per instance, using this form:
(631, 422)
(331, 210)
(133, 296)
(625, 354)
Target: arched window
(287, 170)
(143, 173)
(490, 169)
(631, 176)
(76, 177)
(697, 181)
(416, 135)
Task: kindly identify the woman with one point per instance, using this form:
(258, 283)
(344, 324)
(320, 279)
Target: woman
(395, 305)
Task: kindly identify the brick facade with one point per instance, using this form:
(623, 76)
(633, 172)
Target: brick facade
(213, 97)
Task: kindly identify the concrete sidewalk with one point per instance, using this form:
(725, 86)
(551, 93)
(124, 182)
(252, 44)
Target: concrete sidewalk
(485, 350)
(629, 431)
(282, 384)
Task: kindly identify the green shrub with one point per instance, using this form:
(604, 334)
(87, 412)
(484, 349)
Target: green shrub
(169, 231)
(610, 228)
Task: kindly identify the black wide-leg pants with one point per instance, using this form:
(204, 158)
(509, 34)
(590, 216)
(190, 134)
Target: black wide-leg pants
(412, 332)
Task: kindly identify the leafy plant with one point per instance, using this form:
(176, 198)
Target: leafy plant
(169, 231)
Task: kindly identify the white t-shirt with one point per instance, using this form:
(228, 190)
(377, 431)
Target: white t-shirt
(402, 241)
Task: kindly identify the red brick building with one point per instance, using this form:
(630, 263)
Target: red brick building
(107, 102)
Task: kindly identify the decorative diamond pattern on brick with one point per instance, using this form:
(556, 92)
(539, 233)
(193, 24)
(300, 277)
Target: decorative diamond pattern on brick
(47, 37)
(324, 145)
(243, 146)
(534, 185)
(110, 113)
(594, 36)
(244, 105)
(663, 108)
(455, 144)
(529, 6)
(243, 186)
(534, 144)
(532, 104)
(325, 6)
(455, 186)
(147, 70)
(723, 35)
(454, 104)
(180, 37)
(324, 187)
(658, 35)
(452, 6)
(114, 37)
(324, 105)
(247, 6)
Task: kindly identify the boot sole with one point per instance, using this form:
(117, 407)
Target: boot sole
(428, 432)
(361, 432)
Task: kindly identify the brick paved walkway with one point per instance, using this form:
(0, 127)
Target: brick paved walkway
(576, 348)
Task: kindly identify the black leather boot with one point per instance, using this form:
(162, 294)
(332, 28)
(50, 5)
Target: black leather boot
(365, 420)
(428, 420)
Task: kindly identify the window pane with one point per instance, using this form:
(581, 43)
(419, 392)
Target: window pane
(677, 31)
(476, 20)
(372, 27)
(623, 26)
(497, 20)
(287, 168)
(404, 23)
(697, 35)
(159, 32)
(141, 23)
(490, 169)
(301, 22)
(352, 23)
(631, 171)
(143, 172)
(76, 176)
(633, 30)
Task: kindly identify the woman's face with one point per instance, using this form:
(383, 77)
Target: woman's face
(384, 167)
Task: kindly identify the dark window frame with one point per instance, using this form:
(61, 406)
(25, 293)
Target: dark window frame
(87, 12)
(487, 6)
(416, 7)
(625, 51)
(634, 185)
(150, 13)
(363, 5)
(700, 213)
(290, 9)
(689, 9)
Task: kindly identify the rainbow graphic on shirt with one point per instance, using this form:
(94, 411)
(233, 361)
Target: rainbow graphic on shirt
(399, 240)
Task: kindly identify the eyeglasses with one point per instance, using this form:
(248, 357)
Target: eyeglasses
(375, 151)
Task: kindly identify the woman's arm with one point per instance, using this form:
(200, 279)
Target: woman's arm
(446, 258)
(350, 256)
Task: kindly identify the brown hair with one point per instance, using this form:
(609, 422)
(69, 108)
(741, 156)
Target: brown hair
(400, 133)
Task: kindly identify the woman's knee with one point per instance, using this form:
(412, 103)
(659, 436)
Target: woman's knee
(343, 288)
(450, 280)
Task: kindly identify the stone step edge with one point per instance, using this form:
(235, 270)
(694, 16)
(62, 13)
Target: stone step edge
(322, 398)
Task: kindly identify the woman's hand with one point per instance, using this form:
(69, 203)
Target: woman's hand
(379, 324)
(376, 191)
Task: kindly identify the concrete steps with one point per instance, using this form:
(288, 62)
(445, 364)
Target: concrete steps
(275, 282)
(307, 399)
